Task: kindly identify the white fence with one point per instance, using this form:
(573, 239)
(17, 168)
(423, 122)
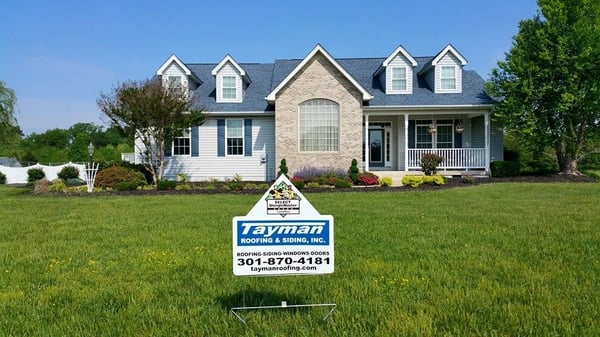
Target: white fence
(18, 175)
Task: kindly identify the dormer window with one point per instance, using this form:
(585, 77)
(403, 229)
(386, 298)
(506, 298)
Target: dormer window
(174, 84)
(231, 81)
(399, 79)
(396, 73)
(448, 78)
(229, 88)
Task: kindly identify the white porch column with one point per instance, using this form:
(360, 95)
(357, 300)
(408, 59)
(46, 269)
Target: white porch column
(366, 142)
(405, 142)
(487, 141)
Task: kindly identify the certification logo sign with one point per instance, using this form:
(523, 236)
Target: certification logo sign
(283, 234)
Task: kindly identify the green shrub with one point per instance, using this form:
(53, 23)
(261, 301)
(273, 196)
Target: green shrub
(250, 186)
(127, 185)
(166, 185)
(430, 162)
(298, 182)
(34, 174)
(343, 183)
(385, 181)
(353, 171)
(112, 175)
(68, 172)
(416, 181)
(184, 186)
(58, 185)
(235, 184)
(590, 162)
(2, 178)
(74, 182)
(283, 169)
(312, 185)
(502, 168)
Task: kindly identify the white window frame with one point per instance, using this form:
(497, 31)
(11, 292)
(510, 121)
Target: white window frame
(433, 140)
(445, 80)
(229, 147)
(174, 84)
(448, 125)
(423, 139)
(230, 89)
(318, 126)
(399, 79)
(177, 147)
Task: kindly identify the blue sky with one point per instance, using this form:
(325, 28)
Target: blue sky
(59, 56)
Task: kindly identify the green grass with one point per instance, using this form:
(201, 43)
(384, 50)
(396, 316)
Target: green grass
(488, 260)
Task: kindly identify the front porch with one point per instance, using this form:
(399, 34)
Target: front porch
(465, 139)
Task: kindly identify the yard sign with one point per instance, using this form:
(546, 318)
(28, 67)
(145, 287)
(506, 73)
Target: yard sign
(283, 234)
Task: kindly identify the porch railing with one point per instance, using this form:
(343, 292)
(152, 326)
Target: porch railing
(466, 158)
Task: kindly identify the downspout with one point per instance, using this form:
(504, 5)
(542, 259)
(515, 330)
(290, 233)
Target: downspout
(366, 168)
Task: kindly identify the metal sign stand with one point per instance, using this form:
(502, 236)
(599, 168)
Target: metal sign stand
(284, 305)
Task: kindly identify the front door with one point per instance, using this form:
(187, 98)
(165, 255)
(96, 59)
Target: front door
(376, 148)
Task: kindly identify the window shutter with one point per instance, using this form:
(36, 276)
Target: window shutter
(194, 141)
(220, 137)
(457, 137)
(168, 147)
(247, 137)
(411, 134)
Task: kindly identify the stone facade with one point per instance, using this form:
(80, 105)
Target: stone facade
(319, 79)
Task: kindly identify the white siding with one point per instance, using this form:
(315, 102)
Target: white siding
(175, 70)
(448, 60)
(399, 61)
(209, 166)
(229, 70)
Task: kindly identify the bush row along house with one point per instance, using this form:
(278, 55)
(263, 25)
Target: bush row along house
(321, 111)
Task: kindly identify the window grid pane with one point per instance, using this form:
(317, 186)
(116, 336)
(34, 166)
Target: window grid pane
(181, 145)
(319, 126)
(399, 78)
(229, 89)
(448, 77)
(235, 137)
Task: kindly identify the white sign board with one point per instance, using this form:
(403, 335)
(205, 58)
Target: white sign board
(283, 234)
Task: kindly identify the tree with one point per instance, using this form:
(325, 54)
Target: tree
(152, 114)
(548, 88)
(10, 133)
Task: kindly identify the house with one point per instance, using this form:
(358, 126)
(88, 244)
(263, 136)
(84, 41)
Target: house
(320, 111)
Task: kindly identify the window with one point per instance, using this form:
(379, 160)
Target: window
(319, 126)
(448, 78)
(423, 137)
(235, 137)
(399, 78)
(229, 87)
(444, 134)
(174, 84)
(181, 145)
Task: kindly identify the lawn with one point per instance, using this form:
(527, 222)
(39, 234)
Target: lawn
(500, 259)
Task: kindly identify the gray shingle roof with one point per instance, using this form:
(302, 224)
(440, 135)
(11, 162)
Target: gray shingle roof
(265, 77)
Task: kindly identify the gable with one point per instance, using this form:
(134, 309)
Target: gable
(398, 77)
(318, 50)
(231, 81)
